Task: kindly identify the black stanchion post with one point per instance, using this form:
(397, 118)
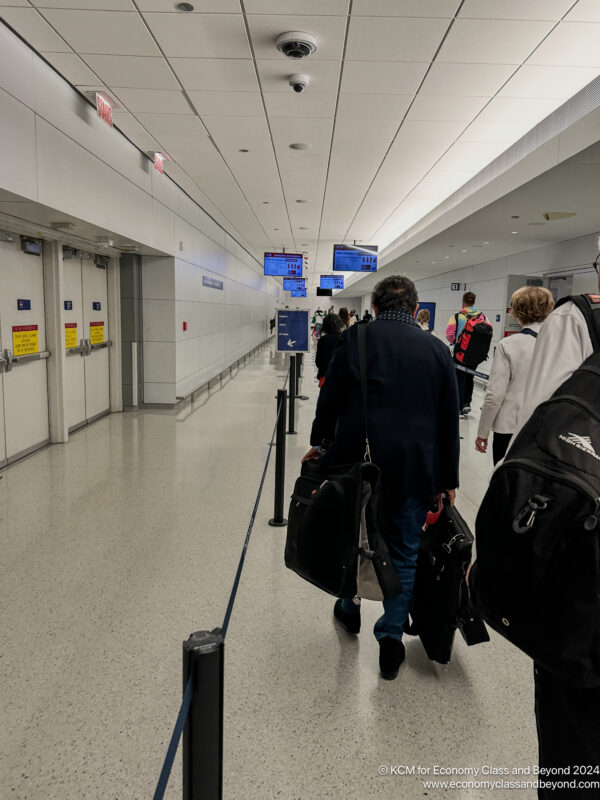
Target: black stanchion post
(292, 395)
(299, 374)
(278, 521)
(203, 657)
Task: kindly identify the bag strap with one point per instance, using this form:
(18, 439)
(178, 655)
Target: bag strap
(362, 366)
(529, 331)
(589, 305)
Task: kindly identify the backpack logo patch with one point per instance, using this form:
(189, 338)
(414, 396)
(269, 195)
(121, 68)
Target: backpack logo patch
(583, 443)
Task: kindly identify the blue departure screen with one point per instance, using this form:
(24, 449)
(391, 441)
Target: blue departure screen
(355, 258)
(298, 293)
(293, 284)
(331, 282)
(288, 265)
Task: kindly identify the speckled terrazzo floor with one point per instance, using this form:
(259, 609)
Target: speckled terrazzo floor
(116, 546)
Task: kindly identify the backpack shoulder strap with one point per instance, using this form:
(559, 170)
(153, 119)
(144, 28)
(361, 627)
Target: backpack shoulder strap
(528, 331)
(589, 305)
(362, 366)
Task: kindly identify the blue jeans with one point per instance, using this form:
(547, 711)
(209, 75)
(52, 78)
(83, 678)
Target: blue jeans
(406, 524)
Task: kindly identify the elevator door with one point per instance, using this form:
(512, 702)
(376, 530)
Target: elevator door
(24, 383)
(86, 341)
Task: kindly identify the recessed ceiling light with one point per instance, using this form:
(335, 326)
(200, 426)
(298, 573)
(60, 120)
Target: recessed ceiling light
(302, 229)
(301, 201)
(275, 229)
(446, 256)
(463, 251)
(301, 146)
(243, 150)
(486, 242)
(515, 216)
(265, 202)
(184, 6)
(514, 231)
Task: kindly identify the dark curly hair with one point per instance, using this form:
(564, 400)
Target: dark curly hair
(332, 324)
(393, 293)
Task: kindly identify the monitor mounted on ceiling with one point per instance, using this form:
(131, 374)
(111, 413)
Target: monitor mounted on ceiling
(286, 265)
(332, 282)
(355, 257)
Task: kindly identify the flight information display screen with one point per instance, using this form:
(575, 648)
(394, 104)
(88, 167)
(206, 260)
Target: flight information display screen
(331, 282)
(298, 293)
(355, 258)
(293, 284)
(288, 265)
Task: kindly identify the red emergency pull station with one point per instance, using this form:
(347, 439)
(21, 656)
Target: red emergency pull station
(185, 326)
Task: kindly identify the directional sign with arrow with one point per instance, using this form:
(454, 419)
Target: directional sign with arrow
(292, 331)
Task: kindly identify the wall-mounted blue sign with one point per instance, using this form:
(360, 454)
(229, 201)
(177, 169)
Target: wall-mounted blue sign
(68, 305)
(96, 306)
(292, 331)
(24, 305)
(455, 287)
(212, 283)
(497, 317)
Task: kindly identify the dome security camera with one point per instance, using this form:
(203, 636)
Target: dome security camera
(296, 44)
(298, 82)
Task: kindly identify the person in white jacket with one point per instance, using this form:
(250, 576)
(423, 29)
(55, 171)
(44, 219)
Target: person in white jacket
(530, 306)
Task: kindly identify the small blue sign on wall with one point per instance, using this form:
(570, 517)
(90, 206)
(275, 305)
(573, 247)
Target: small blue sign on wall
(96, 306)
(292, 331)
(68, 305)
(497, 317)
(24, 305)
(212, 283)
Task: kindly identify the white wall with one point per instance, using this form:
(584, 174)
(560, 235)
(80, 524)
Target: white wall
(57, 152)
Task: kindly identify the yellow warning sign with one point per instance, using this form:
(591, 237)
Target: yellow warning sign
(71, 335)
(96, 332)
(25, 340)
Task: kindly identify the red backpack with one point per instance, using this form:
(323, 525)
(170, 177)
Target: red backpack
(473, 344)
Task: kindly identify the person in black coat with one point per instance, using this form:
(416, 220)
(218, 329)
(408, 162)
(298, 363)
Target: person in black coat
(412, 401)
(330, 333)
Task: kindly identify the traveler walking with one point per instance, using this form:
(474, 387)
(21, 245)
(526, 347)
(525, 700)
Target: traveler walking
(332, 327)
(470, 333)
(530, 306)
(423, 318)
(413, 438)
(344, 316)
(367, 316)
(317, 321)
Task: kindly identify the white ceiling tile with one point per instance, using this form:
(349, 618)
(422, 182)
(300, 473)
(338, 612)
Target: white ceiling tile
(501, 132)
(492, 41)
(216, 74)
(274, 75)
(465, 165)
(71, 67)
(394, 38)
(423, 131)
(22, 3)
(154, 101)
(319, 7)
(133, 72)
(376, 77)
(515, 9)
(481, 151)
(306, 104)
(96, 5)
(373, 106)
(470, 80)
(547, 81)
(404, 8)
(209, 35)
(446, 107)
(109, 32)
(355, 130)
(200, 7)
(301, 129)
(173, 124)
(235, 142)
(518, 109)
(572, 44)
(585, 11)
(134, 131)
(238, 126)
(183, 141)
(35, 30)
(227, 104)
(328, 31)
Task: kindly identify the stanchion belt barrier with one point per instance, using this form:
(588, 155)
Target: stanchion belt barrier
(165, 772)
(472, 371)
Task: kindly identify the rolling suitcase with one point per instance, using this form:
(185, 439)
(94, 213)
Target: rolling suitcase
(441, 601)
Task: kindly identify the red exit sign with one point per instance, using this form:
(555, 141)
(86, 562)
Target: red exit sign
(159, 162)
(104, 109)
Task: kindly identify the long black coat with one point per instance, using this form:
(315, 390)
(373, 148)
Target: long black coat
(325, 348)
(412, 408)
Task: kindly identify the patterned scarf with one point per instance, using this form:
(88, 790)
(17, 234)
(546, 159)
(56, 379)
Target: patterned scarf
(399, 315)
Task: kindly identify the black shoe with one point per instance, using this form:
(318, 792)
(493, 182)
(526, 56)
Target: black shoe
(466, 410)
(391, 655)
(350, 622)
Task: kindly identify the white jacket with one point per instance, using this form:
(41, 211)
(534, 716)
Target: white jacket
(562, 346)
(506, 387)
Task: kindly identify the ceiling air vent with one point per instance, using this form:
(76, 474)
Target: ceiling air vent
(550, 216)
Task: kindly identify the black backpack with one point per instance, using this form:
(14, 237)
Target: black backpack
(537, 576)
(473, 344)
